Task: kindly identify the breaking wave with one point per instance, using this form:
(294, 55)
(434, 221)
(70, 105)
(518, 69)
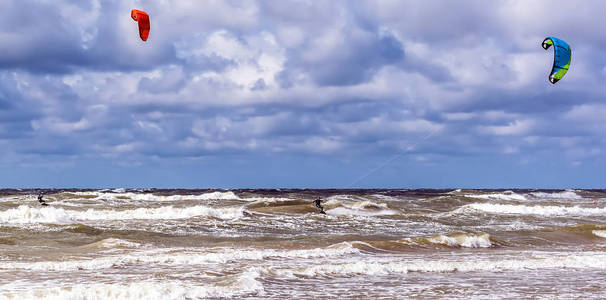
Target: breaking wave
(599, 233)
(121, 195)
(113, 243)
(359, 208)
(532, 210)
(175, 257)
(462, 240)
(453, 240)
(593, 261)
(507, 196)
(26, 214)
(244, 284)
(567, 194)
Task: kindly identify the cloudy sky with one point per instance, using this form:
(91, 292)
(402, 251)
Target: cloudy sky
(301, 93)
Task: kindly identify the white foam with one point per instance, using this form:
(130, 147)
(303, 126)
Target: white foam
(11, 199)
(367, 205)
(463, 240)
(507, 196)
(265, 200)
(245, 284)
(229, 195)
(180, 257)
(114, 243)
(586, 261)
(533, 210)
(26, 214)
(567, 194)
(386, 197)
(600, 233)
(361, 208)
(339, 198)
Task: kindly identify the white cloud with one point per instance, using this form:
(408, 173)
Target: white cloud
(516, 128)
(59, 126)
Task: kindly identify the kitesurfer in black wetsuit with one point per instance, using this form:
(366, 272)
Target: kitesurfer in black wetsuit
(318, 203)
(41, 200)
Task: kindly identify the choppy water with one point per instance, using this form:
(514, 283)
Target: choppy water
(259, 244)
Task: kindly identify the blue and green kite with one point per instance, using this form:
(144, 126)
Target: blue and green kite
(561, 58)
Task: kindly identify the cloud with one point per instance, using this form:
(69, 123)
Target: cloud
(344, 54)
(335, 80)
(518, 127)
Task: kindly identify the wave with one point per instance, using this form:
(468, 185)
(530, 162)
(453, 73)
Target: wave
(282, 206)
(531, 210)
(599, 233)
(265, 200)
(359, 208)
(331, 207)
(113, 243)
(513, 196)
(181, 257)
(453, 240)
(256, 202)
(26, 214)
(462, 240)
(246, 283)
(11, 198)
(507, 196)
(567, 194)
(585, 261)
(385, 197)
(121, 196)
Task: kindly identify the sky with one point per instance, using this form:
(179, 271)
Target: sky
(301, 94)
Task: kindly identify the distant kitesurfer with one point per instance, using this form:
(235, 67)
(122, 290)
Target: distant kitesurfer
(41, 200)
(318, 203)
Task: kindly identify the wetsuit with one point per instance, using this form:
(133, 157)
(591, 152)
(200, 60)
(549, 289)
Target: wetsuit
(41, 200)
(318, 203)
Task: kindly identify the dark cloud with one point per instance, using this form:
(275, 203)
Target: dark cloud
(259, 85)
(353, 60)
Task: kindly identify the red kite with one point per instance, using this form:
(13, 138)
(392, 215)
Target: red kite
(143, 19)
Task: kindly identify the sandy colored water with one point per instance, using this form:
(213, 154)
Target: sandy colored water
(259, 244)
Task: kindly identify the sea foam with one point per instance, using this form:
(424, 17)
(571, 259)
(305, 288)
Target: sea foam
(532, 210)
(181, 257)
(599, 233)
(507, 196)
(567, 194)
(26, 214)
(593, 261)
(361, 208)
(156, 198)
(463, 240)
(246, 283)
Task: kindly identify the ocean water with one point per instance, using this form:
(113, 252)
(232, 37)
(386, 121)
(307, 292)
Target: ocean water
(274, 244)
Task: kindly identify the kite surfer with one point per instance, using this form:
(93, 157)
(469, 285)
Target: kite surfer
(318, 203)
(40, 196)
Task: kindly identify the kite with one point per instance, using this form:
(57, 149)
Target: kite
(143, 19)
(561, 58)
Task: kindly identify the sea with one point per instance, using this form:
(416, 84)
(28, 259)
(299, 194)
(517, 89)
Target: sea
(275, 244)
